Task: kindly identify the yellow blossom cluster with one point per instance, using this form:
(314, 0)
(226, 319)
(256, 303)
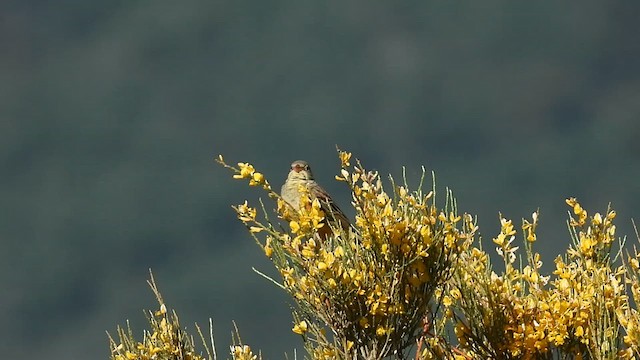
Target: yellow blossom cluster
(592, 242)
(242, 352)
(165, 340)
(247, 171)
(521, 314)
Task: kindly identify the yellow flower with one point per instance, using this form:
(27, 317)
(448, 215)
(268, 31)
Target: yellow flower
(245, 212)
(268, 250)
(578, 210)
(597, 219)
(349, 344)
(300, 328)
(587, 245)
(425, 233)
(308, 252)
(381, 331)
(531, 237)
(242, 353)
(344, 158)
(246, 171)
(455, 293)
(499, 240)
(257, 179)
(286, 272)
(162, 311)
(295, 227)
(507, 227)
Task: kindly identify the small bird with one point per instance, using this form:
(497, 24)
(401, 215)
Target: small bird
(301, 174)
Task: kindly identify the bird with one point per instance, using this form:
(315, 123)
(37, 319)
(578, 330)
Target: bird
(301, 175)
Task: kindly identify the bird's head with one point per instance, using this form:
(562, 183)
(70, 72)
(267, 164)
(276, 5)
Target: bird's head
(300, 170)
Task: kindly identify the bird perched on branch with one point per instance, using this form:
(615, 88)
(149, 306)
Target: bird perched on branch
(301, 175)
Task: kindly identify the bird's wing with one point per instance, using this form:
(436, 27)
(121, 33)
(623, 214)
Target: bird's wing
(330, 208)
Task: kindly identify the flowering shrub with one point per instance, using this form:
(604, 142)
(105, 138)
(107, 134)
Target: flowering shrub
(372, 287)
(411, 278)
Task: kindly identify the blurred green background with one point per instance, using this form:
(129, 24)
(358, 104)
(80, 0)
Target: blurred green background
(111, 113)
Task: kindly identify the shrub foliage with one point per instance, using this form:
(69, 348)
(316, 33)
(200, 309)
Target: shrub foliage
(411, 279)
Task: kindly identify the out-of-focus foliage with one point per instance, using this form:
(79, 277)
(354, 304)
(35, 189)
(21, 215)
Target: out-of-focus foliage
(109, 112)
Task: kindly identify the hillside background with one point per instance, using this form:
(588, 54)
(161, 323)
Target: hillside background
(111, 113)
